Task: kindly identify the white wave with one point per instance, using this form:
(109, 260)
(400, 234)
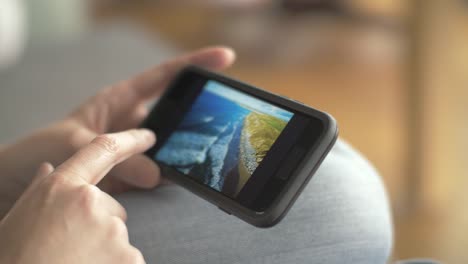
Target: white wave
(207, 119)
(185, 148)
(217, 154)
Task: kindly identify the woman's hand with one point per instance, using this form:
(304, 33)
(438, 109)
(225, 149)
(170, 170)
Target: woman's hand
(116, 108)
(64, 218)
(123, 106)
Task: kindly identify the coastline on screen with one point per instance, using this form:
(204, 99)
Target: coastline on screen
(223, 137)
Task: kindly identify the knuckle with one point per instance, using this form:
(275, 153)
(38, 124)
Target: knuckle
(107, 143)
(134, 256)
(51, 188)
(124, 214)
(87, 199)
(117, 228)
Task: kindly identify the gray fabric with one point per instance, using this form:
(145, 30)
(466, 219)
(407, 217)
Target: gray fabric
(341, 217)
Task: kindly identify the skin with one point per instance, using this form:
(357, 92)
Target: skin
(64, 218)
(66, 215)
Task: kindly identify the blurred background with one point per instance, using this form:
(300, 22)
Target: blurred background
(393, 72)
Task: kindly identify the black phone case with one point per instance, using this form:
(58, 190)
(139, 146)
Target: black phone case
(302, 175)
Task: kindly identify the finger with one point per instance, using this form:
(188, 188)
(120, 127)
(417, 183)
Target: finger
(120, 101)
(114, 186)
(152, 82)
(131, 120)
(94, 161)
(44, 170)
(138, 171)
(118, 229)
(112, 206)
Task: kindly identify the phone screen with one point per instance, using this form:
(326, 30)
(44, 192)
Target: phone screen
(223, 137)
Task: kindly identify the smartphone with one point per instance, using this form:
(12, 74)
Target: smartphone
(248, 151)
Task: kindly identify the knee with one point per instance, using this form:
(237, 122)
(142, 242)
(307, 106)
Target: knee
(347, 199)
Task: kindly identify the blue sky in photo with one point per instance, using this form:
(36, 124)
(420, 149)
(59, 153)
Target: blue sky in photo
(247, 100)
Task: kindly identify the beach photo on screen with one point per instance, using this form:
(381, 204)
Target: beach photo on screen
(223, 137)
